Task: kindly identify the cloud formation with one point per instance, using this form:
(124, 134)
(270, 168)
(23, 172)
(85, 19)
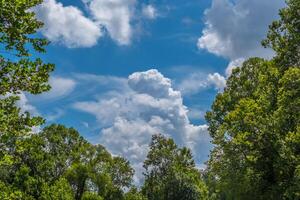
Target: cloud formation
(234, 29)
(217, 80)
(148, 107)
(67, 25)
(115, 16)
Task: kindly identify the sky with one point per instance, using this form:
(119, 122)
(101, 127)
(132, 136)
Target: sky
(128, 69)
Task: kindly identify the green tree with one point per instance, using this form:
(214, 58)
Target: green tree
(283, 36)
(91, 196)
(134, 194)
(58, 163)
(250, 123)
(254, 123)
(60, 190)
(170, 172)
(19, 72)
(88, 168)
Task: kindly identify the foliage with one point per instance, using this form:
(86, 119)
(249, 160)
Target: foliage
(283, 36)
(170, 172)
(134, 194)
(254, 123)
(19, 72)
(59, 164)
(91, 196)
(60, 190)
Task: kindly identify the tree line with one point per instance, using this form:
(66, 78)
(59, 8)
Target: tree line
(254, 125)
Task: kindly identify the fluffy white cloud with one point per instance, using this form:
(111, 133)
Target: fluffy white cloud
(196, 82)
(115, 16)
(150, 106)
(67, 25)
(217, 80)
(149, 11)
(234, 29)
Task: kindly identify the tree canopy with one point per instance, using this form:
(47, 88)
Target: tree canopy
(255, 122)
(170, 172)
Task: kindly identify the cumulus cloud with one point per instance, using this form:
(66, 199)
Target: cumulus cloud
(217, 80)
(149, 11)
(234, 29)
(150, 106)
(196, 82)
(67, 25)
(115, 16)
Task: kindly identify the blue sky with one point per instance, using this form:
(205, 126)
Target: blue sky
(127, 69)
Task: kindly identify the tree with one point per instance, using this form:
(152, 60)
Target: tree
(254, 123)
(283, 36)
(89, 169)
(19, 72)
(170, 172)
(134, 194)
(58, 163)
(249, 124)
(91, 196)
(287, 118)
(60, 190)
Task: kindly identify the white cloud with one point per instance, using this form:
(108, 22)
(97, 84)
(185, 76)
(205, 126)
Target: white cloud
(196, 82)
(234, 29)
(60, 87)
(67, 25)
(149, 11)
(150, 106)
(115, 16)
(217, 80)
(153, 83)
